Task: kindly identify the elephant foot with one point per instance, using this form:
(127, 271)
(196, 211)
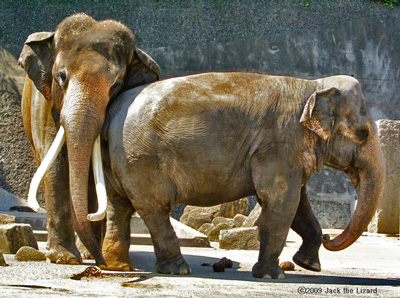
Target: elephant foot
(117, 261)
(307, 260)
(118, 266)
(60, 255)
(175, 266)
(268, 271)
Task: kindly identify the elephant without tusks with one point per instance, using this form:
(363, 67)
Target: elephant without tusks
(216, 137)
(72, 74)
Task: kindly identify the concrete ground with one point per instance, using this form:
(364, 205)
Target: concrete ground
(369, 268)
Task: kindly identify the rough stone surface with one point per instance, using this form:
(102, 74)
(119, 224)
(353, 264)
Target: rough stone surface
(195, 217)
(331, 214)
(223, 220)
(331, 195)
(205, 228)
(6, 219)
(229, 210)
(2, 261)
(253, 216)
(219, 224)
(16, 161)
(239, 219)
(240, 238)
(386, 219)
(14, 236)
(29, 254)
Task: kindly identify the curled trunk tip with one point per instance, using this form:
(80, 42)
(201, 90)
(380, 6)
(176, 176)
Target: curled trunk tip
(335, 244)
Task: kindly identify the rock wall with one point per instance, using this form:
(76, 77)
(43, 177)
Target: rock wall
(16, 161)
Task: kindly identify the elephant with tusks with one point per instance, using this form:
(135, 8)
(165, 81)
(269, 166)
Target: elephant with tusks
(72, 75)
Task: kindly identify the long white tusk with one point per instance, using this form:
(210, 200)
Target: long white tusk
(99, 181)
(44, 166)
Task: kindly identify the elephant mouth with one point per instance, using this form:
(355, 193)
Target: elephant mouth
(49, 159)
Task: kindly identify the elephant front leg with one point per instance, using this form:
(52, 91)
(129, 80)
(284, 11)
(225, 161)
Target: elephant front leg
(117, 239)
(61, 237)
(307, 226)
(279, 200)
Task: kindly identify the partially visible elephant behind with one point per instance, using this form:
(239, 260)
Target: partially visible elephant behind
(216, 137)
(72, 74)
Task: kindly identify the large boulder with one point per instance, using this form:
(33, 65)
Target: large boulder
(195, 217)
(386, 219)
(239, 219)
(29, 254)
(229, 210)
(253, 217)
(205, 228)
(219, 224)
(239, 238)
(14, 236)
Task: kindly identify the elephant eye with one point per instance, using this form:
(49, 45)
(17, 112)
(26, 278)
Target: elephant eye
(116, 87)
(62, 79)
(362, 134)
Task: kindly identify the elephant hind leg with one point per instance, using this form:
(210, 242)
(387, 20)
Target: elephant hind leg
(307, 226)
(169, 259)
(153, 202)
(117, 239)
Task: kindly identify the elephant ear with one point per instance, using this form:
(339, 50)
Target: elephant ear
(37, 59)
(142, 70)
(318, 112)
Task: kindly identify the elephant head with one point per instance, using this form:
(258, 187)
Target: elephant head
(337, 113)
(81, 67)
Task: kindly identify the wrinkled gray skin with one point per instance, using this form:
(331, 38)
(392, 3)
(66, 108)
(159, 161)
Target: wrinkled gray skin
(216, 137)
(72, 74)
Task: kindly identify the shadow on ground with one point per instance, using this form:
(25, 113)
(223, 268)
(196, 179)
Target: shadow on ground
(145, 261)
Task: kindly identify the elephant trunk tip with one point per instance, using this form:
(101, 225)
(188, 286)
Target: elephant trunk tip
(326, 238)
(336, 244)
(327, 243)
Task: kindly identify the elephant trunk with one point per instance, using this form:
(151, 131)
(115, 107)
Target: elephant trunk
(370, 165)
(82, 126)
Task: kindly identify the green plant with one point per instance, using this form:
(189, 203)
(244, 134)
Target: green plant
(391, 2)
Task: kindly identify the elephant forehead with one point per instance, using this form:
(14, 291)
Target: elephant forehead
(81, 26)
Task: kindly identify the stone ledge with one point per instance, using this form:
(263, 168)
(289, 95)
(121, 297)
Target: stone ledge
(187, 236)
